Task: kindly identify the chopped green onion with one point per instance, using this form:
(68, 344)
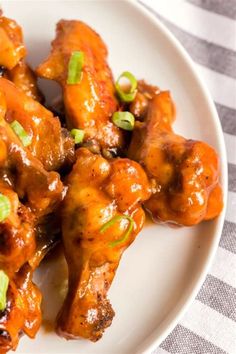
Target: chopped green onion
(127, 96)
(21, 133)
(5, 207)
(75, 68)
(124, 120)
(78, 135)
(112, 222)
(4, 281)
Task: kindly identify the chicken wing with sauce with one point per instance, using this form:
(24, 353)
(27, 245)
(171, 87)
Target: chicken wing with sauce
(42, 191)
(12, 54)
(12, 49)
(99, 192)
(90, 103)
(23, 312)
(50, 143)
(185, 172)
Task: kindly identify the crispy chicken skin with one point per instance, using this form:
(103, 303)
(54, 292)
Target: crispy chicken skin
(98, 191)
(89, 104)
(50, 143)
(12, 48)
(185, 172)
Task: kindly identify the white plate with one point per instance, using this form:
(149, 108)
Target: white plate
(162, 271)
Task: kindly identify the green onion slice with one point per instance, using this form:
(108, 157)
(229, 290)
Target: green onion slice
(124, 95)
(21, 133)
(75, 68)
(112, 222)
(4, 281)
(124, 120)
(5, 207)
(78, 135)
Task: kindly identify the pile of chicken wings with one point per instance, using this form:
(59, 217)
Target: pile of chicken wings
(83, 173)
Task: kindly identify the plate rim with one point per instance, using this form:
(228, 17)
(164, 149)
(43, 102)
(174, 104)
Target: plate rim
(149, 344)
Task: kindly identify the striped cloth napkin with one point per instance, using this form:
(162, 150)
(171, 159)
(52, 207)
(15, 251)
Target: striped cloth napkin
(207, 30)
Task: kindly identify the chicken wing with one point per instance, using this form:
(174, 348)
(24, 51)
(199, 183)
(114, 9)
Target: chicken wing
(90, 103)
(184, 172)
(50, 143)
(12, 54)
(23, 313)
(42, 191)
(12, 49)
(101, 216)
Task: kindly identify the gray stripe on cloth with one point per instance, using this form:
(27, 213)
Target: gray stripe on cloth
(183, 341)
(213, 56)
(221, 7)
(227, 117)
(232, 177)
(228, 237)
(219, 296)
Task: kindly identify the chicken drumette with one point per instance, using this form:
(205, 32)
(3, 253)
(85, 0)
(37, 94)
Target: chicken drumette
(90, 103)
(101, 216)
(184, 172)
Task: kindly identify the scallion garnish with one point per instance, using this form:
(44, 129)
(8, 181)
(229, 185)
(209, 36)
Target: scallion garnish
(127, 95)
(4, 281)
(21, 133)
(111, 222)
(78, 135)
(5, 207)
(124, 120)
(75, 68)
